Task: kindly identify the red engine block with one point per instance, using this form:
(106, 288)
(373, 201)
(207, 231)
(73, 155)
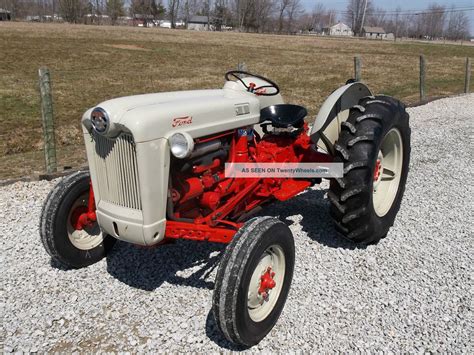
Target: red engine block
(205, 205)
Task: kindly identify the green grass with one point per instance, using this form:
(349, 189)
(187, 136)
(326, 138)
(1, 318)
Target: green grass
(91, 64)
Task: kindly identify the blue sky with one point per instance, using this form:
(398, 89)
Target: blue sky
(393, 4)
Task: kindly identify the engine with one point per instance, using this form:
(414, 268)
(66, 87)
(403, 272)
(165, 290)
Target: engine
(200, 192)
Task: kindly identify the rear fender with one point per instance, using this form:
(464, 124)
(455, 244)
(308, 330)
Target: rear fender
(333, 112)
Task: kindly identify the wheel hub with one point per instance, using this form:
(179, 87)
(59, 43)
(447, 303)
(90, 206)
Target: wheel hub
(266, 283)
(83, 231)
(81, 218)
(387, 172)
(378, 169)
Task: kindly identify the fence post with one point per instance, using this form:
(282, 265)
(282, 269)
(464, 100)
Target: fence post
(47, 119)
(357, 66)
(467, 79)
(422, 77)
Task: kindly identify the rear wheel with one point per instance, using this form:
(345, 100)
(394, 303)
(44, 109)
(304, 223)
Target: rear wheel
(63, 239)
(253, 280)
(374, 146)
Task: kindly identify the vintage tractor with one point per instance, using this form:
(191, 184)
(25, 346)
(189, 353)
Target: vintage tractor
(157, 173)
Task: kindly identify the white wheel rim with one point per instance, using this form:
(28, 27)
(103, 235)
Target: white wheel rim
(88, 237)
(260, 304)
(387, 174)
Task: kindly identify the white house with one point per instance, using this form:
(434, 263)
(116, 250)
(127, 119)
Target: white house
(339, 29)
(374, 32)
(198, 23)
(165, 24)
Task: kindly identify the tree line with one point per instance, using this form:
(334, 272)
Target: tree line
(262, 16)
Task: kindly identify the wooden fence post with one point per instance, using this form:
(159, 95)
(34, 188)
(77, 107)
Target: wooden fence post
(422, 77)
(47, 118)
(357, 67)
(467, 79)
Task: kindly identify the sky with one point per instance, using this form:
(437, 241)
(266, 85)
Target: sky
(393, 4)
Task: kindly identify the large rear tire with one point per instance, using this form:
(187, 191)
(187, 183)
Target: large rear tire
(253, 280)
(63, 242)
(374, 146)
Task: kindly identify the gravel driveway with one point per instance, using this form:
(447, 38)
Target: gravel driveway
(410, 293)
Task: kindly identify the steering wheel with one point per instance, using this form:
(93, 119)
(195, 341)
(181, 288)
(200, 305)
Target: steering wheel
(257, 90)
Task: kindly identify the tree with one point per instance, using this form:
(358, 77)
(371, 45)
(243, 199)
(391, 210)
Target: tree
(71, 10)
(283, 4)
(377, 18)
(173, 7)
(157, 10)
(458, 25)
(430, 23)
(357, 12)
(114, 10)
(293, 10)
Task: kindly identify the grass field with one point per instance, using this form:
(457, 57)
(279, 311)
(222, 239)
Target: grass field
(91, 64)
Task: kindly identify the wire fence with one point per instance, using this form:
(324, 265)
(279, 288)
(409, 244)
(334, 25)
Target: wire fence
(73, 91)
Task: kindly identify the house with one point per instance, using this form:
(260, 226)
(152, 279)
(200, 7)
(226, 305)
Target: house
(339, 29)
(198, 23)
(373, 32)
(5, 15)
(165, 24)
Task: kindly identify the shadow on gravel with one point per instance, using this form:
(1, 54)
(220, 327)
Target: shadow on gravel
(315, 218)
(190, 263)
(214, 334)
(147, 269)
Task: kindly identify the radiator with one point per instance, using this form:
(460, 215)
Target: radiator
(116, 170)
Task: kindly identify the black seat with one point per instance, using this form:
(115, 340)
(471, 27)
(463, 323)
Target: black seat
(284, 115)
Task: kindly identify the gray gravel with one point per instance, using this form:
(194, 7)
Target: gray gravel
(410, 293)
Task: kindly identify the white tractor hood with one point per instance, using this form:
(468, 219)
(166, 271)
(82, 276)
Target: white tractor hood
(197, 112)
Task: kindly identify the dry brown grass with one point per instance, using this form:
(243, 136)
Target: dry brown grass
(91, 64)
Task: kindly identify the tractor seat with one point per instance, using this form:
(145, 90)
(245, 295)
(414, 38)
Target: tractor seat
(284, 115)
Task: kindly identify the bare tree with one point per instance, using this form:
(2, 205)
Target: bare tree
(282, 6)
(458, 25)
(317, 17)
(71, 10)
(430, 23)
(377, 18)
(293, 10)
(263, 12)
(173, 6)
(114, 10)
(357, 11)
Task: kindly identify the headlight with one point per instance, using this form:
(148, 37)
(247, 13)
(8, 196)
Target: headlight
(182, 145)
(100, 120)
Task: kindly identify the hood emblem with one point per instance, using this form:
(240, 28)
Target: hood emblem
(181, 121)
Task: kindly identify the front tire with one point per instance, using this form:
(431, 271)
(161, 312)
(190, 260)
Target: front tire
(63, 242)
(374, 145)
(253, 280)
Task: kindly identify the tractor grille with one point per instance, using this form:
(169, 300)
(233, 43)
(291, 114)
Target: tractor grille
(116, 170)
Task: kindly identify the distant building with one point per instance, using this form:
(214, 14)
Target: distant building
(5, 15)
(198, 23)
(165, 24)
(374, 32)
(44, 18)
(339, 29)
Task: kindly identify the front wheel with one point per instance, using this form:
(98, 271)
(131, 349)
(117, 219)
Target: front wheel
(253, 280)
(65, 242)
(374, 146)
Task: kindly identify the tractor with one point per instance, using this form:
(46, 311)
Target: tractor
(157, 173)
